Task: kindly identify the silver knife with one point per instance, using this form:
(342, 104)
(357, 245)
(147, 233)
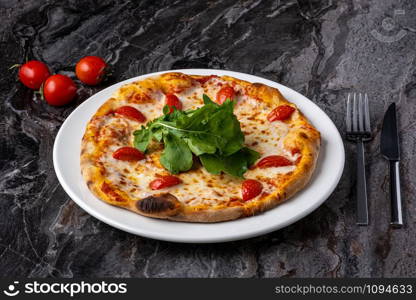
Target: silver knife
(389, 146)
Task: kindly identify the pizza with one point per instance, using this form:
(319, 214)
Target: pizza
(197, 148)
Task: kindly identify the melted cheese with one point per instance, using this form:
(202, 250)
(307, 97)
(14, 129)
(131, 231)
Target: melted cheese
(198, 186)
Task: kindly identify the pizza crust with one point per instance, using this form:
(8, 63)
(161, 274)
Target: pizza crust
(302, 136)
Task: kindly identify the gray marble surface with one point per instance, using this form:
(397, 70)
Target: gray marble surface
(323, 49)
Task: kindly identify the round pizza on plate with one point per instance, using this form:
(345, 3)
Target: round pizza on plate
(197, 148)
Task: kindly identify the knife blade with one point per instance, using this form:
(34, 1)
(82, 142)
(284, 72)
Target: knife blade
(389, 141)
(390, 149)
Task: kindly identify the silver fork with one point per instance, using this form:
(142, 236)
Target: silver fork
(359, 131)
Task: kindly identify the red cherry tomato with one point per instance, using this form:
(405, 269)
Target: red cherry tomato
(295, 151)
(131, 112)
(90, 69)
(274, 161)
(250, 189)
(226, 92)
(173, 101)
(128, 154)
(59, 90)
(281, 113)
(204, 79)
(33, 73)
(164, 182)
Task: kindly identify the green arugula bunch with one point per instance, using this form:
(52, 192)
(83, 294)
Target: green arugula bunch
(211, 132)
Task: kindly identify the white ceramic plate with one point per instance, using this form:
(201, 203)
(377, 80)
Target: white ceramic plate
(330, 165)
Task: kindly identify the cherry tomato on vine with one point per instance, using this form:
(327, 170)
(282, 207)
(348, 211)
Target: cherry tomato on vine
(59, 90)
(91, 70)
(33, 73)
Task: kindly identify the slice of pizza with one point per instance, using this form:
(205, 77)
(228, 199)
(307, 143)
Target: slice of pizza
(198, 148)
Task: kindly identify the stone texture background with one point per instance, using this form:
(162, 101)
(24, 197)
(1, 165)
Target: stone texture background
(323, 49)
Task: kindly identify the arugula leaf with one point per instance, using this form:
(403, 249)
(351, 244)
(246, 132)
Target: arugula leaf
(211, 132)
(225, 124)
(142, 139)
(199, 145)
(166, 109)
(251, 155)
(208, 100)
(197, 119)
(214, 164)
(176, 156)
(236, 164)
(175, 115)
(157, 133)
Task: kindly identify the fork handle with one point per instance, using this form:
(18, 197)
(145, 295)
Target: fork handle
(362, 206)
(395, 195)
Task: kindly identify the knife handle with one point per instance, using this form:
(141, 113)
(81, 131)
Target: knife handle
(362, 206)
(395, 195)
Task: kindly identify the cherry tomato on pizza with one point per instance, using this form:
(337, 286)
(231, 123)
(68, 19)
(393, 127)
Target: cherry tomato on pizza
(281, 113)
(204, 79)
(164, 182)
(173, 101)
(274, 161)
(250, 189)
(128, 154)
(226, 92)
(131, 113)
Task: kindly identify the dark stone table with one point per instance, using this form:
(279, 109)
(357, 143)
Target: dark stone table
(323, 49)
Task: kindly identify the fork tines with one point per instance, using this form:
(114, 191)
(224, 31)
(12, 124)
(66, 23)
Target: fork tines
(358, 116)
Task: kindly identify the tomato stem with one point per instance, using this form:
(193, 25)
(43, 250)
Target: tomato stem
(15, 66)
(40, 91)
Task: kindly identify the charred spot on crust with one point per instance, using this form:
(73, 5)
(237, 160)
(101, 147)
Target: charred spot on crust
(303, 135)
(156, 203)
(89, 183)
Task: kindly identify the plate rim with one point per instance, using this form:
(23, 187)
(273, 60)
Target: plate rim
(183, 239)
